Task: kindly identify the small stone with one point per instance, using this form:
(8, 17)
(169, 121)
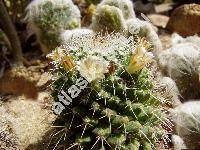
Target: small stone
(185, 20)
(158, 20)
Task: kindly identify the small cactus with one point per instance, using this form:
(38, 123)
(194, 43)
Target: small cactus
(181, 62)
(111, 15)
(108, 18)
(186, 119)
(144, 29)
(126, 6)
(104, 94)
(49, 18)
(119, 16)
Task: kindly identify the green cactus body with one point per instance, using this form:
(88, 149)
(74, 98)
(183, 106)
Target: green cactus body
(118, 111)
(118, 16)
(50, 18)
(125, 6)
(108, 18)
(111, 15)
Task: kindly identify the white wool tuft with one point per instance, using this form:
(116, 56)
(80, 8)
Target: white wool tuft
(71, 35)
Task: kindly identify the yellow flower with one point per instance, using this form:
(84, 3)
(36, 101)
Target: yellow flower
(139, 59)
(68, 62)
(59, 56)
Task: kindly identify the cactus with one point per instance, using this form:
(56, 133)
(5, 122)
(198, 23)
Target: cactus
(186, 118)
(111, 15)
(49, 18)
(181, 63)
(171, 91)
(119, 16)
(144, 29)
(126, 6)
(108, 18)
(104, 94)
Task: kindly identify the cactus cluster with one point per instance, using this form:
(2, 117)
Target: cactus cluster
(104, 94)
(119, 16)
(49, 18)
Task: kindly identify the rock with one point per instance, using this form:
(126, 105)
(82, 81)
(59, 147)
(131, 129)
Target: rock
(163, 8)
(181, 62)
(158, 20)
(139, 7)
(186, 118)
(178, 143)
(17, 81)
(185, 20)
(165, 39)
(26, 121)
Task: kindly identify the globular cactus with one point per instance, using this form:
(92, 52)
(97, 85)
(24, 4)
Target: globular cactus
(126, 6)
(105, 96)
(171, 91)
(119, 16)
(181, 63)
(186, 119)
(108, 18)
(48, 18)
(144, 29)
(111, 15)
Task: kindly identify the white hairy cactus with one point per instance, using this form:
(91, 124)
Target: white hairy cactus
(126, 6)
(171, 91)
(111, 15)
(181, 63)
(119, 16)
(144, 29)
(187, 120)
(108, 18)
(49, 18)
(177, 39)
